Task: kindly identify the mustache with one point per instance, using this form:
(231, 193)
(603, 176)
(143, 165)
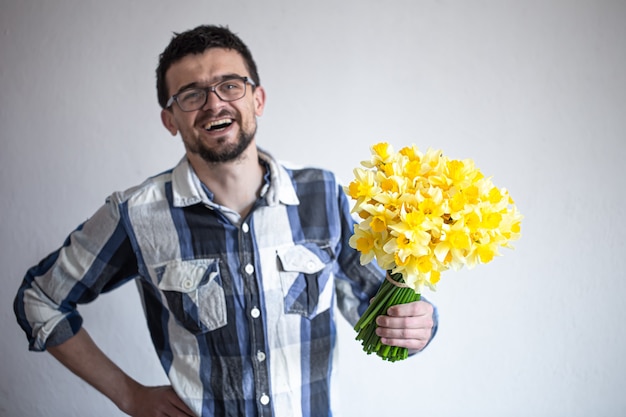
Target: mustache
(209, 115)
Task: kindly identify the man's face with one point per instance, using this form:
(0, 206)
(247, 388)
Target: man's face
(220, 131)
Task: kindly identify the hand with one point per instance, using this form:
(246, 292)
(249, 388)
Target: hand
(157, 402)
(406, 325)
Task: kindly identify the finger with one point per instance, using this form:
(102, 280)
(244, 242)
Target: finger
(412, 344)
(403, 334)
(416, 308)
(417, 322)
(178, 404)
(183, 410)
(413, 339)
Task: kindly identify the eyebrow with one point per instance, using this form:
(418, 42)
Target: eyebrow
(217, 80)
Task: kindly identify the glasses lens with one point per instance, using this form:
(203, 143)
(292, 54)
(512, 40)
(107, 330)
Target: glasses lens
(231, 90)
(191, 99)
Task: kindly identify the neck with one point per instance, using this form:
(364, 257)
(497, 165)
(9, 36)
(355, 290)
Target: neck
(234, 184)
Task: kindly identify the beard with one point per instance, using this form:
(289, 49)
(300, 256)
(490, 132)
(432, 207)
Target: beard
(228, 152)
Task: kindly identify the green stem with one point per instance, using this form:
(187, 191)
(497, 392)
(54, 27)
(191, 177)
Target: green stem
(388, 295)
(376, 306)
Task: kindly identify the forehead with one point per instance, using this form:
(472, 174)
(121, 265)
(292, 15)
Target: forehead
(205, 68)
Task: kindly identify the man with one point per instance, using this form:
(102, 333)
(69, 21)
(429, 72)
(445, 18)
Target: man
(238, 260)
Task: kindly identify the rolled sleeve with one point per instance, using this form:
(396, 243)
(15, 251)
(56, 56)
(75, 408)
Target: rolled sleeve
(96, 257)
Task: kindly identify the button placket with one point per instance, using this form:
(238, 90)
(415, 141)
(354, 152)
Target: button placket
(253, 302)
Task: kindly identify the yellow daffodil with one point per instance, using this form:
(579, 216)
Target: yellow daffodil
(363, 241)
(423, 213)
(364, 187)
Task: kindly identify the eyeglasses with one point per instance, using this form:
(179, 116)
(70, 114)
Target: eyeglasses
(195, 98)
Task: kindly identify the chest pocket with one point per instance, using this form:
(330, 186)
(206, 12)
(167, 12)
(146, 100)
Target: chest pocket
(305, 279)
(194, 293)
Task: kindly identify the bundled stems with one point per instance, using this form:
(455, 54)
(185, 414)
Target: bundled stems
(388, 295)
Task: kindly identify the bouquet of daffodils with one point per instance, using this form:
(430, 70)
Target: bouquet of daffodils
(422, 214)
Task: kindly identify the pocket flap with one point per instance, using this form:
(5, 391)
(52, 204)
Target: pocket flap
(186, 276)
(298, 258)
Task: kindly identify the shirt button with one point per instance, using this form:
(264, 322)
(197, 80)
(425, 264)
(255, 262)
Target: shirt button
(310, 265)
(255, 313)
(245, 228)
(187, 284)
(249, 269)
(265, 400)
(260, 356)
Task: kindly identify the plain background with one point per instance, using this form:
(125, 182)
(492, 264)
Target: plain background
(533, 91)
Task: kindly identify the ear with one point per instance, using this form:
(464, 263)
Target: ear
(167, 118)
(259, 100)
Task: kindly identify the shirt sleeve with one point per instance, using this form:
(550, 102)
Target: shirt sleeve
(356, 284)
(95, 258)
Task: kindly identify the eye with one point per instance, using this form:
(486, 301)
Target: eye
(230, 85)
(191, 96)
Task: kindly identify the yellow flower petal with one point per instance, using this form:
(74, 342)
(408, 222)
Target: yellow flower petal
(422, 214)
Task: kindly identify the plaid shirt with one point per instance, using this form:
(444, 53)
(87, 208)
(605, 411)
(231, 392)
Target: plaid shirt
(240, 311)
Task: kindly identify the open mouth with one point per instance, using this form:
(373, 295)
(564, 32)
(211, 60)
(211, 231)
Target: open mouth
(218, 125)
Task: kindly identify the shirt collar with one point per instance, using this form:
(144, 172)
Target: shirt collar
(187, 188)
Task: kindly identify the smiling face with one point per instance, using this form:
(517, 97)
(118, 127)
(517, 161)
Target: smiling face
(220, 131)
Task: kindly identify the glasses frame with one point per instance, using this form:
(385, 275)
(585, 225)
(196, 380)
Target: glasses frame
(209, 90)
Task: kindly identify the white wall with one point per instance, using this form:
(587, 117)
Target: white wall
(533, 91)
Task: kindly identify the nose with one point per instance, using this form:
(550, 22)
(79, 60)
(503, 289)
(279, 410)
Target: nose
(212, 101)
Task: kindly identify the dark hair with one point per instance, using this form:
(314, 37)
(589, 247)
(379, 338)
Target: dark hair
(196, 41)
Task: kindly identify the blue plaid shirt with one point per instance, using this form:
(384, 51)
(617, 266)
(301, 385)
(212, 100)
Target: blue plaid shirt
(240, 310)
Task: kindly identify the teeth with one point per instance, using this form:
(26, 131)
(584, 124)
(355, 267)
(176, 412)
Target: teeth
(215, 123)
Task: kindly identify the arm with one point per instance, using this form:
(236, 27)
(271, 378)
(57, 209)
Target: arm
(83, 357)
(97, 257)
